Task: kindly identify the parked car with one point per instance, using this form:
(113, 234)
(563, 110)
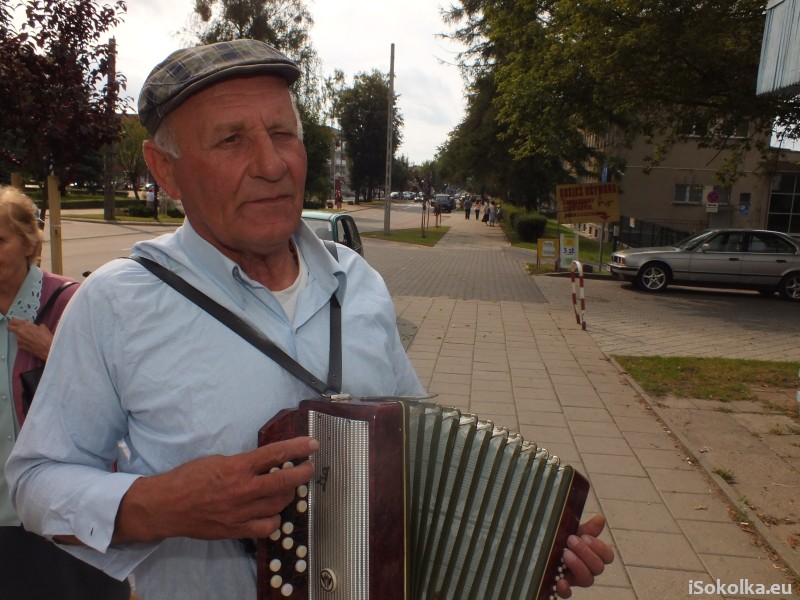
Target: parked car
(444, 202)
(755, 259)
(339, 227)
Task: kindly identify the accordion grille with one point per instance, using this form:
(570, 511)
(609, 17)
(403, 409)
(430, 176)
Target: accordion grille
(338, 527)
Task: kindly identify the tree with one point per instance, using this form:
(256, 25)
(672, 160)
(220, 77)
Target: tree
(568, 70)
(362, 112)
(129, 151)
(57, 107)
(478, 154)
(318, 140)
(401, 173)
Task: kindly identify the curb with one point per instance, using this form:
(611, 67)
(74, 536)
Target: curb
(761, 530)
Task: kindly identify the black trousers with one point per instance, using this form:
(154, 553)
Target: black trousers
(32, 568)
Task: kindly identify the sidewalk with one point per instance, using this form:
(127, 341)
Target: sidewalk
(484, 339)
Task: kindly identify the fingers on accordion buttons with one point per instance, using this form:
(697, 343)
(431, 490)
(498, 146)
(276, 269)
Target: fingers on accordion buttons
(275, 535)
(287, 464)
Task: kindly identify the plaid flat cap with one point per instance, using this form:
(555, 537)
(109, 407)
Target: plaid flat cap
(189, 70)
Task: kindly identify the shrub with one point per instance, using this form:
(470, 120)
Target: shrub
(512, 214)
(140, 210)
(530, 227)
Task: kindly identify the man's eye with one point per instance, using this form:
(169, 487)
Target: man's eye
(230, 139)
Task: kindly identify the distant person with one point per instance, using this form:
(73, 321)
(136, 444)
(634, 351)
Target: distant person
(151, 197)
(31, 304)
(492, 214)
(338, 200)
(467, 207)
(477, 210)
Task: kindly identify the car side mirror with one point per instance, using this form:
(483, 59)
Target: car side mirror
(705, 247)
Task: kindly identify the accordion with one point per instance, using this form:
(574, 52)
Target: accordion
(411, 500)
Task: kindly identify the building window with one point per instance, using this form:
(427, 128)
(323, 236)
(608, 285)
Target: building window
(784, 204)
(688, 194)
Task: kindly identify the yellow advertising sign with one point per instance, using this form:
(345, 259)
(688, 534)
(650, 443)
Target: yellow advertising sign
(588, 202)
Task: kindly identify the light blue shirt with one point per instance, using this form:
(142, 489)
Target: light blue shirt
(133, 360)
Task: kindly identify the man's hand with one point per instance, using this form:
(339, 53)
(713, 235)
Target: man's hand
(585, 556)
(33, 339)
(216, 497)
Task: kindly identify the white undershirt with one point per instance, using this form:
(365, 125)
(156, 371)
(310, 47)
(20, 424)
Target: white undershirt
(288, 297)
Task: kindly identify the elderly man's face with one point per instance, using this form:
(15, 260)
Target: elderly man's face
(242, 166)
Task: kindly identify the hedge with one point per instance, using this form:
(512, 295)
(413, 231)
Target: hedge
(530, 227)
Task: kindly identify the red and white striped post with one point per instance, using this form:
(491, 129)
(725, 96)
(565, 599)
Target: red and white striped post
(580, 318)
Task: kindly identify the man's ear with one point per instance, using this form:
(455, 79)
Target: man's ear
(161, 165)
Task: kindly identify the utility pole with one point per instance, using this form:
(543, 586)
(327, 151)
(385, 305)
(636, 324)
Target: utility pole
(387, 211)
(111, 96)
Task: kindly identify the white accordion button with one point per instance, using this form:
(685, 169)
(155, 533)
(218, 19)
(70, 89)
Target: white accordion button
(276, 581)
(275, 535)
(287, 528)
(302, 506)
(274, 565)
(287, 464)
(300, 566)
(302, 491)
(287, 543)
(301, 551)
(274, 469)
(287, 590)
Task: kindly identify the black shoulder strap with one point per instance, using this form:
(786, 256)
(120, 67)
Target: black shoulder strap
(51, 301)
(255, 337)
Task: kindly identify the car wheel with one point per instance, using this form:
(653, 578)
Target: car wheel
(789, 287)
(653, 277)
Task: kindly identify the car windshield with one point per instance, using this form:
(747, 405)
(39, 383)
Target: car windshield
(694, 240)
(322, 228)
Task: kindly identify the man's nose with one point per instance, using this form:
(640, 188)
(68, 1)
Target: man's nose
(267, 161)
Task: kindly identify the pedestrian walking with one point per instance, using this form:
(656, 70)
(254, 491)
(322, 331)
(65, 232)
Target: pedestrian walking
(492, 214)
(467, 207)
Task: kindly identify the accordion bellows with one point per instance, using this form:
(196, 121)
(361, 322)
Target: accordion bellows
(414, 501)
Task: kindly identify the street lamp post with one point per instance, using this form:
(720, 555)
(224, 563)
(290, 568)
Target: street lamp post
(389, 153)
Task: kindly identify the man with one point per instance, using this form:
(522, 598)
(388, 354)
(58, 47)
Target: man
(135, 361)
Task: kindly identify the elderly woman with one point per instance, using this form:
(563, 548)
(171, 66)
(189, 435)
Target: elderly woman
(31, 303)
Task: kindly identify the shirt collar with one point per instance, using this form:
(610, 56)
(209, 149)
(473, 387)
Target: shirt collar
(197, 260)
(28, 299)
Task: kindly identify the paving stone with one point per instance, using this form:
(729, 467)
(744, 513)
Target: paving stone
(654, 549)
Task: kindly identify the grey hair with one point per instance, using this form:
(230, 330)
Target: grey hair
(167, 141)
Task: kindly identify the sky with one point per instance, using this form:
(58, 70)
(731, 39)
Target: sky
(351, 35)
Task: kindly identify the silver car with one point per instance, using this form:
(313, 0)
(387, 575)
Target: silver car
(754, 259)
